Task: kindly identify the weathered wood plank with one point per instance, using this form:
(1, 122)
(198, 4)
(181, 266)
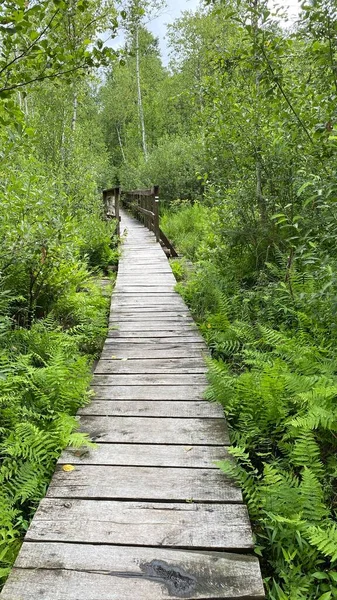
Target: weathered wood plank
(146, 455)
(149, 303)
(207, 526)
(156, 430)
(156, 365)
(169, 296)
(149, 408)
(150, 380)
(147, 300)
(155, 341)
(157, 326)
(59, 571)
(142, 289)
(150, 316)
(143, 351)
(139, 310)
(148, 280)
(144, 483)
(154, 268)
(153, 392)
(163, 333)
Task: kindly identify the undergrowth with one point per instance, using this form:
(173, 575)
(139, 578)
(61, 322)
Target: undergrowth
(273, 368)
(53, 322)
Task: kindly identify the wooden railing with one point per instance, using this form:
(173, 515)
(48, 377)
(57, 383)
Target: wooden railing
(144, 205)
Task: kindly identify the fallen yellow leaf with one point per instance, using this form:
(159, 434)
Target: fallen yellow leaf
(68, 468)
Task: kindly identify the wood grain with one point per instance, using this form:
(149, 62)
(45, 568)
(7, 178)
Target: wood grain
(155, 379)
(57, 571)
(145, 392)
(150, 408)
(146, 455)
(155, 365)
(156, 430)
(145, 351)
(144, 483)
(221, 526)
(156, 341)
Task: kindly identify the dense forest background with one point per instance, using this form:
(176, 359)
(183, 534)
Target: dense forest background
(239, 131)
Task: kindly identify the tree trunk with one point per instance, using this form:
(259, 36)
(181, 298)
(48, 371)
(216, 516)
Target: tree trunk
(139, 94)
(120, 143)
(74, 117)
(261, 203)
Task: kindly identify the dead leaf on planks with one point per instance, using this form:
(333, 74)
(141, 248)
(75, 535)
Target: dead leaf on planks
(68, 468)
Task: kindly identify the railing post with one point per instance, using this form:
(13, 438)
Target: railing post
(104, 203)
(156, 212)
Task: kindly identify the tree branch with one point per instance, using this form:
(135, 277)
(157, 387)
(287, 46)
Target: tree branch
(41, 78)
(25, 52)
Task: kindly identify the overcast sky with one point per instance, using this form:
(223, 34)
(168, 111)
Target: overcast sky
(169, 15)
(173, 11)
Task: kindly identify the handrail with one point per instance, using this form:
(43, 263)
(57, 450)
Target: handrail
(144, 204)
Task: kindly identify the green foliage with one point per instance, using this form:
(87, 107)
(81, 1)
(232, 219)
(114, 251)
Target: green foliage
(187, 226)
(55, 244)
(274, 371)
(44, 380)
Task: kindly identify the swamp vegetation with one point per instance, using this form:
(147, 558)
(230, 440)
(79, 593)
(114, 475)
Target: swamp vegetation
(239, 130)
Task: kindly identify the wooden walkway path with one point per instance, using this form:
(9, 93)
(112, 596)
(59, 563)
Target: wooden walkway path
(146, 515)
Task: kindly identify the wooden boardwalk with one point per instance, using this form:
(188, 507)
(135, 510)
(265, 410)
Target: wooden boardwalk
(146, 515)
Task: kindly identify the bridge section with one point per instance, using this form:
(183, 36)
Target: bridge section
(146, 515)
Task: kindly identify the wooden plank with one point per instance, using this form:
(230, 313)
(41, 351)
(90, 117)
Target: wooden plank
(147, 295)
(156, 365)
(59, 571)
(192, 526)
(148, 279)
(150, 269)
(148, 298)
(151, 296)
(146, 455)
(158, 266)
(149, 315)
(148, 302)
(144, 483)
(163, 333)
(143, 351)
(129, 326)
(156, 430)
(150, 380)
(155, 342)
(153, 392)
(148, 408)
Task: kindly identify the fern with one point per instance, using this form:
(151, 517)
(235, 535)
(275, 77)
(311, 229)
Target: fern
(325, 540)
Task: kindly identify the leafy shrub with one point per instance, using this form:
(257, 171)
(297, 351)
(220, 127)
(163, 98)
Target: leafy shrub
(273, 344)
(172, 165)
(188, 227)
